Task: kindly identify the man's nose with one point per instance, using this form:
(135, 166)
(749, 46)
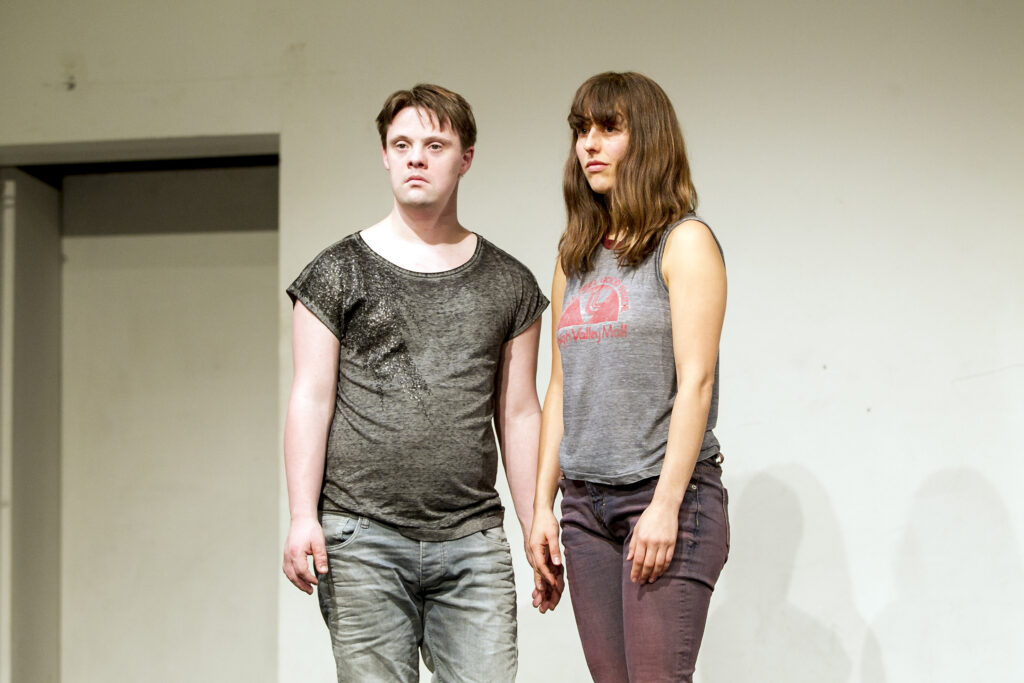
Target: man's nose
(417, 156)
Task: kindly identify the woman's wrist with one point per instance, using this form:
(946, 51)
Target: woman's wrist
(670, 499)
(540, 509)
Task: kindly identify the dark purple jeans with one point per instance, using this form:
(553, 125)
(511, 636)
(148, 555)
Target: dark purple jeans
(642, 632)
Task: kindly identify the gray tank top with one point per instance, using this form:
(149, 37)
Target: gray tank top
(618, 369)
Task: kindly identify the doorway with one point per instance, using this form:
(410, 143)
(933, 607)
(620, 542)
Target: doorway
(159, 512)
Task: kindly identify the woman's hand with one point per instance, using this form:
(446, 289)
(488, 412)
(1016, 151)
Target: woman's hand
(653, 541)
(546, 560)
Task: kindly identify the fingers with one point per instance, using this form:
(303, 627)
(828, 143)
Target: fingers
(319, 553)
(662, 563)
(544, 600)
(546, 558)
(555, 595)
(553, 551)
(550, 601)
(546, 576)
(297, 571)
(652, 543)
(539, 596)
(650, 560)
(302, 572)
(540, 583)
(560, 582)
(638, 551)
(547, 573)
(546, 596)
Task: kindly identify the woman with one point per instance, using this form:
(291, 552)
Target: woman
(638, 299)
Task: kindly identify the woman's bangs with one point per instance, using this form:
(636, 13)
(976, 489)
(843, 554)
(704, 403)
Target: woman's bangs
(600, 102)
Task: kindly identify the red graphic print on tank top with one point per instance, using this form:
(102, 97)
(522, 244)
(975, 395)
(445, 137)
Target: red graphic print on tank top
(593, 314)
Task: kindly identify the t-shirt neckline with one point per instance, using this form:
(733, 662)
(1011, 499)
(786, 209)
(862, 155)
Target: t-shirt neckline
(419, 274)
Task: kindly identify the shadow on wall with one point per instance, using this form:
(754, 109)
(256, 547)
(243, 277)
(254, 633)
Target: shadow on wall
(758, 633)
(959, 612)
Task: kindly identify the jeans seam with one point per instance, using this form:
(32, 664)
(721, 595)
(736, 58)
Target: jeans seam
(725, 512)
(696, 516)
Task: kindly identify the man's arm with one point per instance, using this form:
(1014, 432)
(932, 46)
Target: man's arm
(310, 410)
(517, 419)
(542, 548)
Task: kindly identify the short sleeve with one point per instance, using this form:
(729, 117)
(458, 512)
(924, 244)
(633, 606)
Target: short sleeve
(321, 288)
(531, 303)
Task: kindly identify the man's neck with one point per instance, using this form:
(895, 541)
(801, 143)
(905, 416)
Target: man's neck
(421, 242)
(424, 225)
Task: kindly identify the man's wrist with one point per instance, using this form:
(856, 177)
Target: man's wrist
(305, 516)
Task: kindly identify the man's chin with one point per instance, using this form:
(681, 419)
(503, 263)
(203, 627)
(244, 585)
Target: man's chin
(417, 201)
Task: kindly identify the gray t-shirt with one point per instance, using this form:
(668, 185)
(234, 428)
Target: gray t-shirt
(619, 375)
(411, 443)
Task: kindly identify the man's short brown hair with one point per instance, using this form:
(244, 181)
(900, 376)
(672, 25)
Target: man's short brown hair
(450, 108)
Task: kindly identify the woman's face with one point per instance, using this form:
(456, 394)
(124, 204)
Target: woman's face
(600, 149)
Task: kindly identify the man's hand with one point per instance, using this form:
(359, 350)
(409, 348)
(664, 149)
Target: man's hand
(653, 542)
(305, 538)
(545, 595)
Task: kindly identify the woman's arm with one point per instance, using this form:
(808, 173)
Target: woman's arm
(695, 275)
(544, 553)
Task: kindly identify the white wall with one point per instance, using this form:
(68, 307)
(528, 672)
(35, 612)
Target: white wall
(860, 163)
(169, 466)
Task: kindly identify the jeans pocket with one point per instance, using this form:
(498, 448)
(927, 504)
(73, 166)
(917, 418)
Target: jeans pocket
(689, 516)
(495, 536)
(339, 530)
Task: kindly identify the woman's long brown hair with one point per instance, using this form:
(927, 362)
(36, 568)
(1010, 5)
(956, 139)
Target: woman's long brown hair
(653, 188)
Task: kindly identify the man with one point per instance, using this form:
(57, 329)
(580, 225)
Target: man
(408, 337)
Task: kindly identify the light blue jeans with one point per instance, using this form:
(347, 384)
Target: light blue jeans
(385, 597)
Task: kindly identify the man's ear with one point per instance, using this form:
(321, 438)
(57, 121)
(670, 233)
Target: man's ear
(384, 157)
(467, 160)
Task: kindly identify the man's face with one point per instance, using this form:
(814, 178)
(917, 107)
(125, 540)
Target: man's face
(425, 162)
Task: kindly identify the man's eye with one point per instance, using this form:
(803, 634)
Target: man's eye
(436, 147)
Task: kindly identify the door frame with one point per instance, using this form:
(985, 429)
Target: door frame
(141, 149)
